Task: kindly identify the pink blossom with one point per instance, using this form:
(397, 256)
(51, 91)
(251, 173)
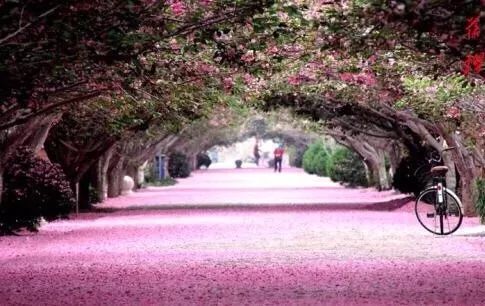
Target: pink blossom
(363, 78)
(481, 132)
(346, 77)
(178, 8)
(205, 2)
(174, 45)
(273, 50)
(294, 80)
(453, 112)
(249, 79)
(248, 56)
(206, 69)
(366, 78)
(228, 83)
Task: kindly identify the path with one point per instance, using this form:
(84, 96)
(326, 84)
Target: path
(242, 256)
(252, 187)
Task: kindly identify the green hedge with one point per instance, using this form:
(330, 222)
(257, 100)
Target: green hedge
(341, 165)
(347, 167)
(315, 159)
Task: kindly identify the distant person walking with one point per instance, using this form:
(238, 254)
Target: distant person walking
(256, 154)
(278, 158)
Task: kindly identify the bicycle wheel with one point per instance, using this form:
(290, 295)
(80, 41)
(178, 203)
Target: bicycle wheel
(438, 220)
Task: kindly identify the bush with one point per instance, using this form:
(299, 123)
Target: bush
(412, 174)
(34, 189)
(315, 159)
(203, 160)
(178, 165)
(320, 163)
(480, 205)
(238, 163)
(347, 167)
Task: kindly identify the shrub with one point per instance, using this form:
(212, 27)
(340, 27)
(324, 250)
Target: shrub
(203, 160)
(315, 159)
(178, 165)
(480, 205)
(238, 163)
(412, 174)
(347, 167)
(34, 188)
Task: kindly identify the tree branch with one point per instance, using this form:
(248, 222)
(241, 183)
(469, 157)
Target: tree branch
(48, 109)
(12, 35)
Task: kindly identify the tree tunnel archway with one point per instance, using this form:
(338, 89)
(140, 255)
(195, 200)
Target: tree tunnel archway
(372, 74)
(200, 139)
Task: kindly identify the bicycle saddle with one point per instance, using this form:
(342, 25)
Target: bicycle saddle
(439, 170)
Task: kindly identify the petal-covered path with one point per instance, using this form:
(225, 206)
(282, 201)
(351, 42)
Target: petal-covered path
(248, 187)
(243, 254)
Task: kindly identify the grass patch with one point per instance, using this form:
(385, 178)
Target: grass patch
(164, 182)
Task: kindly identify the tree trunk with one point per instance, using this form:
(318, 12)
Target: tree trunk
(83, 198)
(368, 173)
(372, 173)
(394, 154)
(102, 166)
(141, 174)
(384, 182)
(17, 136)
(469, 196)
(468, 171)
(378, 172)
(1, 184)
(39, 135)
(115, 176)
(451, 174)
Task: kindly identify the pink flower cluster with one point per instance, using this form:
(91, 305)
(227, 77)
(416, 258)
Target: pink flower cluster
(306, 75)
(228, 83)
(363, 78)
(178, 7)
(453, 112)
(206, 69)
(249, 56)
(205, 2)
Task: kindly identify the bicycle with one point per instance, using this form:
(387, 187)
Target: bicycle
(438, 209)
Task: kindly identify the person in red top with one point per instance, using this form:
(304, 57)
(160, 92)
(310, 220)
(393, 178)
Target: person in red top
(278, 158)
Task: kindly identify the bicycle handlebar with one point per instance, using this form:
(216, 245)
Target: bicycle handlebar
(432, 159)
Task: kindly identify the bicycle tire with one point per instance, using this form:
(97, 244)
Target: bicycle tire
(425, 209)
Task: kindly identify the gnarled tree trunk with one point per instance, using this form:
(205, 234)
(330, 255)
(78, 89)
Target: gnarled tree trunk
(1, 184)
(101, 175)
(469, 173)
(83, 196)
(115, 176)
